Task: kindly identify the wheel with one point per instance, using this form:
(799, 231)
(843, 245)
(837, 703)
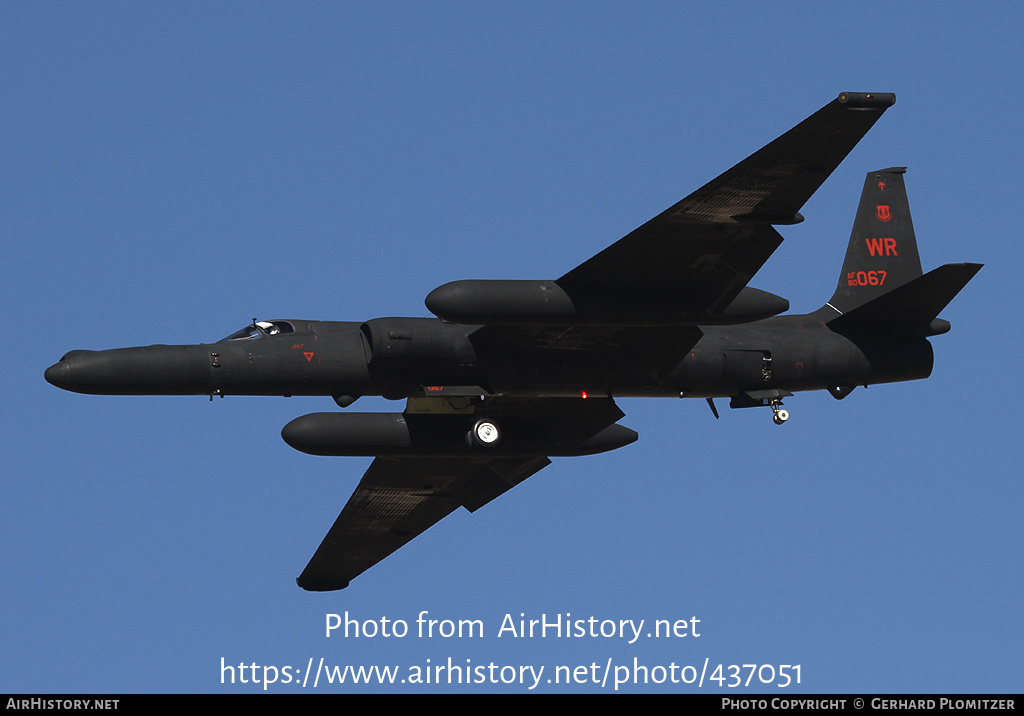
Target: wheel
(781, 416)
(484, 433)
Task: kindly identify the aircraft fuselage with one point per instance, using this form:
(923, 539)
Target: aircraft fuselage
(413, 357)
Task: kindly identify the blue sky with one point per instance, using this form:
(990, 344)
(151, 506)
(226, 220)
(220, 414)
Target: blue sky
(170, 171)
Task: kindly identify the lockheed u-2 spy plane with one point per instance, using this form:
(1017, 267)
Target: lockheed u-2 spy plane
(514, 372)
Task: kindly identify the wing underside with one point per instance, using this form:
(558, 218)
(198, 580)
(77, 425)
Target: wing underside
(399, 498)
(708, 246)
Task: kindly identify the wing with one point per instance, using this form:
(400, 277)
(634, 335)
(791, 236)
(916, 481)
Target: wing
(401, 497)
(398, 499)
(710, 244)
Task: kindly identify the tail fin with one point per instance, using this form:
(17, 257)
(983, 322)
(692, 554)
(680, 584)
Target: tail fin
(881, 288)
(882, 254)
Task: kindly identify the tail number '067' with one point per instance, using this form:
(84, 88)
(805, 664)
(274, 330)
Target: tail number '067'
(865, 278)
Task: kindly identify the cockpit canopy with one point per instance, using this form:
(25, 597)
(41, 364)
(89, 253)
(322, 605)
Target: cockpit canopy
(261, 329)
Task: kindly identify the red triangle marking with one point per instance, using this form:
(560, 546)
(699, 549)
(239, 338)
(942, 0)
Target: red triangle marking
(308, 354)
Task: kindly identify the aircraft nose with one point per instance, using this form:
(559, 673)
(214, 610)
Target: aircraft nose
(58, 374)
(150, 370)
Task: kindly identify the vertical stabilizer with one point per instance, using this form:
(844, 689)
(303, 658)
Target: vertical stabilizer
(882, 254)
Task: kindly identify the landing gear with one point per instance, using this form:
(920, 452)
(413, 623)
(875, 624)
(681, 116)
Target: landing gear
(781, 415)
(759, 398)
(484, 433)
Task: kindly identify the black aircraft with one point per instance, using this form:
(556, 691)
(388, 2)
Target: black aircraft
(514, 372)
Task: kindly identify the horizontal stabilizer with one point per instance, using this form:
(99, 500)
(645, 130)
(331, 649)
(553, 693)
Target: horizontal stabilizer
(911, 308)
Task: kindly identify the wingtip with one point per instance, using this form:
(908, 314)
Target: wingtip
(867, 100)
(312, 585)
